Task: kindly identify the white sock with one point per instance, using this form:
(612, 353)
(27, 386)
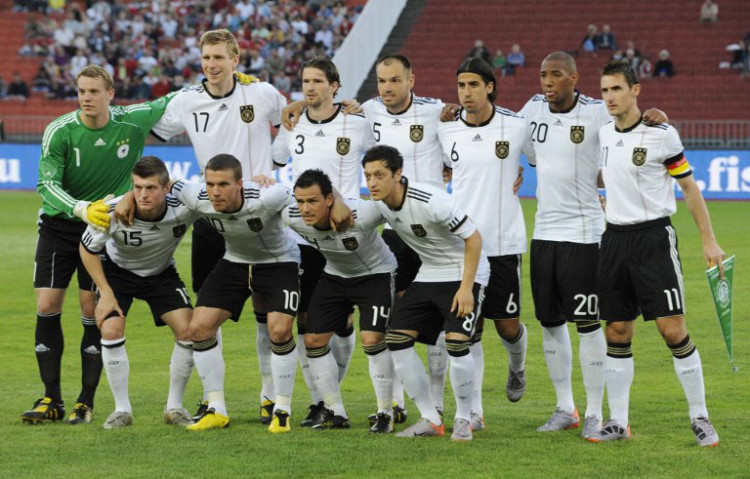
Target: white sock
(517, 351)
(220, 345)
(342, 348)
(476, 351)
(117, 367)
(411, 373)
(462, 381)
(324, 373)
(284, 367)
(559, 356)
(690, 373)
(315, 395)
(618, 374)
(437, 362)
(398, 390)
(592, 351)
(263, 347)
(180, 369)
(383, 377)
(210, 366)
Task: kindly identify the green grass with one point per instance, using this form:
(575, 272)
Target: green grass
(662, 444)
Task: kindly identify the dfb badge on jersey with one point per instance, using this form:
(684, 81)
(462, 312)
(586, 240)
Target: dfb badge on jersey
(179, 230)
(350, 244)
(639, 156)
(502, 149)
(255, 224)
(342, 145)
(247, 113)
(419, 230)
(576, 134)
(416, 133)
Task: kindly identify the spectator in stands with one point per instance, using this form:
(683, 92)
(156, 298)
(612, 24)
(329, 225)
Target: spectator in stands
(275, 63)
(664, 67)
(3, 87)
(17, 88)
(606, 39)
(499, 62)
(709, 12)
(480, 51)
(78, 62)
(645, 68)
(515, 59)
(632, 59)
(42, 81)
(589, 42)
(161, 87)
(254, 63)
(630, 45)
(282, 83)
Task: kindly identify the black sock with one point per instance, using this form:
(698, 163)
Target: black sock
(91, 361)
(49, 345)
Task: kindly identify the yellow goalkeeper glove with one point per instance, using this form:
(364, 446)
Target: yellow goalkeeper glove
(244, 78)
(95, 214)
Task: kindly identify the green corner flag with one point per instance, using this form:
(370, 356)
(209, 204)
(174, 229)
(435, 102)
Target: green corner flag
(721, 291)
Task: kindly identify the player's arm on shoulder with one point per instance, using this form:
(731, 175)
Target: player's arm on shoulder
(351, 106)
(654, 116)
(187, 192)
(280, 149)
(168, 118)
(449, 112)
(341, 214)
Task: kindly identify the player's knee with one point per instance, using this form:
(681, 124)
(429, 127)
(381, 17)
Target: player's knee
(205, 344)
(113, 327)
(619, 331)
(47, 305)
(508, 328)
(585, 327)
(279, 331)
(316, 340)
(457, 347)
(375, 348)
(200, 331)
(397, 341)
(370, 338)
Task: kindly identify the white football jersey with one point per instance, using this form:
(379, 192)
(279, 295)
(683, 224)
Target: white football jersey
(358, 251)
(435, 228)
(566, 153)
(334, 145)
(414, 133)
(639, 164)
(485, 160)
(255, 233)
(145, 248)
(238, 124)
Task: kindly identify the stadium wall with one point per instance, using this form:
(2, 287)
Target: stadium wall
(721, 174)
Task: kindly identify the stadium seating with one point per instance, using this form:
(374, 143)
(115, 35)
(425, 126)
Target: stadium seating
(446, 32)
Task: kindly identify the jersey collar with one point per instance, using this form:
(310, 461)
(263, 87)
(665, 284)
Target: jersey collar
(411, 101)
(234, 85)
(484, 123)
(575, 104)
(327, 120)
(630, 128)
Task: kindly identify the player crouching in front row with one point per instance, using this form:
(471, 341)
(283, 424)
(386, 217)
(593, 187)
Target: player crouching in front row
(136, 261)
(449, 286)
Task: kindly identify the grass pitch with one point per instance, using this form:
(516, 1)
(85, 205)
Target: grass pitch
(662, 443)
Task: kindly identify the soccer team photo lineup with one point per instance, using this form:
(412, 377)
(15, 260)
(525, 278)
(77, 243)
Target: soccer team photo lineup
(432, 254)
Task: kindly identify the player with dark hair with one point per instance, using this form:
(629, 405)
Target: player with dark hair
(445, 296)
(639, 265)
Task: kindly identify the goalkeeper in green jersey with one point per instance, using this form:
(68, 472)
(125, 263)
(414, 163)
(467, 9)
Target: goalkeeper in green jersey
(86, 155)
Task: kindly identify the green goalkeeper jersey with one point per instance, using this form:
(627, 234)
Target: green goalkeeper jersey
(80, 163)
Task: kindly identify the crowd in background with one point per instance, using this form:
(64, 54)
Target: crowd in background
(151, 47)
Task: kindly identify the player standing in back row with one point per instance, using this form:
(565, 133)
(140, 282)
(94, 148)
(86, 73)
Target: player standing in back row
(639, 266)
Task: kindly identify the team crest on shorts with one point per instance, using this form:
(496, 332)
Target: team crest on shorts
(247, 113)
(342, 145)
(416, 133)
(350, 243)
(502, 148)
(419, 230)
(639, 156)
(255, 224)
(576, 134)
(179, 230)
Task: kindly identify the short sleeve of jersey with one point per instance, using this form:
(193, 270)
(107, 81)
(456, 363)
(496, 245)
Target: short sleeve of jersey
(281, 151)
(368, 214)
(673, 152)
(446, 212)
(187, 193)
(528, 146)
(170, 123)
(276, 103)
(276, 197)
(94, 241)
